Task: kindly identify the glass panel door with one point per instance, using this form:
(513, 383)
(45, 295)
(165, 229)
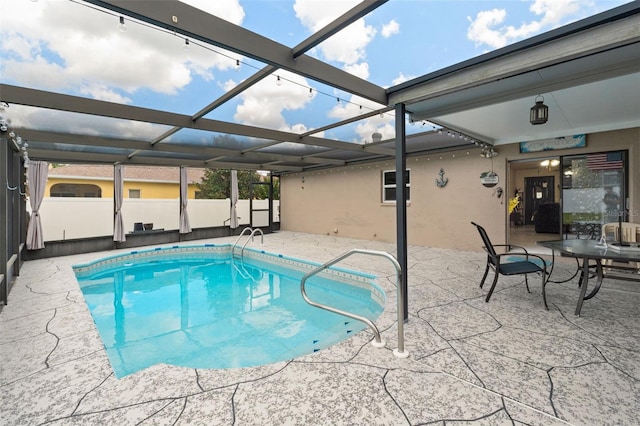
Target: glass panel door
(594, 190)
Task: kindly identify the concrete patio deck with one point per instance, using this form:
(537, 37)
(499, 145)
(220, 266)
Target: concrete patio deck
(508, 361)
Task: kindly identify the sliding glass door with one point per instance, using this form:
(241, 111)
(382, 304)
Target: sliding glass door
(594, 192)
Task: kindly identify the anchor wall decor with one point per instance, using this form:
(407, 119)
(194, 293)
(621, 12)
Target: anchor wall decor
(442, 181)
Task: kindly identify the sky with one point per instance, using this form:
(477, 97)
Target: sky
(75, 48)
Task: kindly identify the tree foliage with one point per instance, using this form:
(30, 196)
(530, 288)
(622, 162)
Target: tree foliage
(216, 184)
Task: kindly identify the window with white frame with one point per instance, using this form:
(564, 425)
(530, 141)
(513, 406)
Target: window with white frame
(134, 193)
(389, 185)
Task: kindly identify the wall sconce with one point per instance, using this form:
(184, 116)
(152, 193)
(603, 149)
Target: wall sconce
(539, 112)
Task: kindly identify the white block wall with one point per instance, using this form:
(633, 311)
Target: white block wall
(68, 218)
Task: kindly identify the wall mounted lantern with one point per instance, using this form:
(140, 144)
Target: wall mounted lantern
(539, 112)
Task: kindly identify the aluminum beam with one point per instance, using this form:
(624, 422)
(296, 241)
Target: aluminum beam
(204, 151)
(347, 121)
(99, 158)
(42, 99)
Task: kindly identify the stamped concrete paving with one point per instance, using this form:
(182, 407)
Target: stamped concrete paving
(505, 362)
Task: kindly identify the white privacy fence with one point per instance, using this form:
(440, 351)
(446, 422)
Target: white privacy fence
(68, 218)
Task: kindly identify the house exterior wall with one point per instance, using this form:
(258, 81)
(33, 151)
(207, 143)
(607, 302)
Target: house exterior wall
(627, 139)
(347, 201)
(153, 190)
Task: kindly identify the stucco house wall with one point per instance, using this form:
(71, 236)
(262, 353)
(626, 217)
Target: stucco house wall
(147, 189)
(347, 201)
(152, 182)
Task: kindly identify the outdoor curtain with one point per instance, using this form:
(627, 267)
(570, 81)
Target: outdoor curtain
(37, 176)
(233, 223)
(185, 227)
(118, 222)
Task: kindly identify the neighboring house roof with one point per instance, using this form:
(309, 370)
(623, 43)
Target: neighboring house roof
(131, 173)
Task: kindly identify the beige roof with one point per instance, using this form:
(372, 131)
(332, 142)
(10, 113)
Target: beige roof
(148, 173)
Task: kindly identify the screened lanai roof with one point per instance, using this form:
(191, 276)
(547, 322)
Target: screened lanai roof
(588, 73)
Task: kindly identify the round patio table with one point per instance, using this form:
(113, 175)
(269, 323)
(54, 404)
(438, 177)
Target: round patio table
(592, 250)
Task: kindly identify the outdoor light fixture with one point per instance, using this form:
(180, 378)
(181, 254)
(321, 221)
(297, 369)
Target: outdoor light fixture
(547, 163)
(550, 163)
(121, 26)
(539, 112)
(21, 145)
(487, 151)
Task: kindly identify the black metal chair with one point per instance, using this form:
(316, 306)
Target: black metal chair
(519, 267)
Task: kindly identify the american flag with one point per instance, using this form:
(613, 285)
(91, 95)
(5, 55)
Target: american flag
(606, 161)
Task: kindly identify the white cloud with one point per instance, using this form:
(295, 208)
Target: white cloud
(67, 42)
(347, 46)
(487, 28)
(480, 31)
(228, 85)
(351, 108)
(104, 94)
(369, 127)
(26, 117)
(382, 124)
(31, 73)
(390, 29)
(361, 70)
(315, 14)
(263, 103)
(401, 78)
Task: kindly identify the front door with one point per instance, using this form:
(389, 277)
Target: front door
(538, 190)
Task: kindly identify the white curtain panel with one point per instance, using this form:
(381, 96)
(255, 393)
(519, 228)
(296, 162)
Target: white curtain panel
(185, 227)
(118, 222)
(233, 223)
(37, 173)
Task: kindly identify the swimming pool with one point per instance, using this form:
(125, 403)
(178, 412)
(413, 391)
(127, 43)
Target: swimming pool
(199, 307)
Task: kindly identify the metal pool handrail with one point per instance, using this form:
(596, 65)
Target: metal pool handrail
(399, 352)
(238, 239)
(251, 238)
(244, 231)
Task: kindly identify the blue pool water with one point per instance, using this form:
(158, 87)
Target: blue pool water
(196, 307)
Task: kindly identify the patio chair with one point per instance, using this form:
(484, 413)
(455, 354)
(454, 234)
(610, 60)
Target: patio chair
(617, 233)
(502, 265)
